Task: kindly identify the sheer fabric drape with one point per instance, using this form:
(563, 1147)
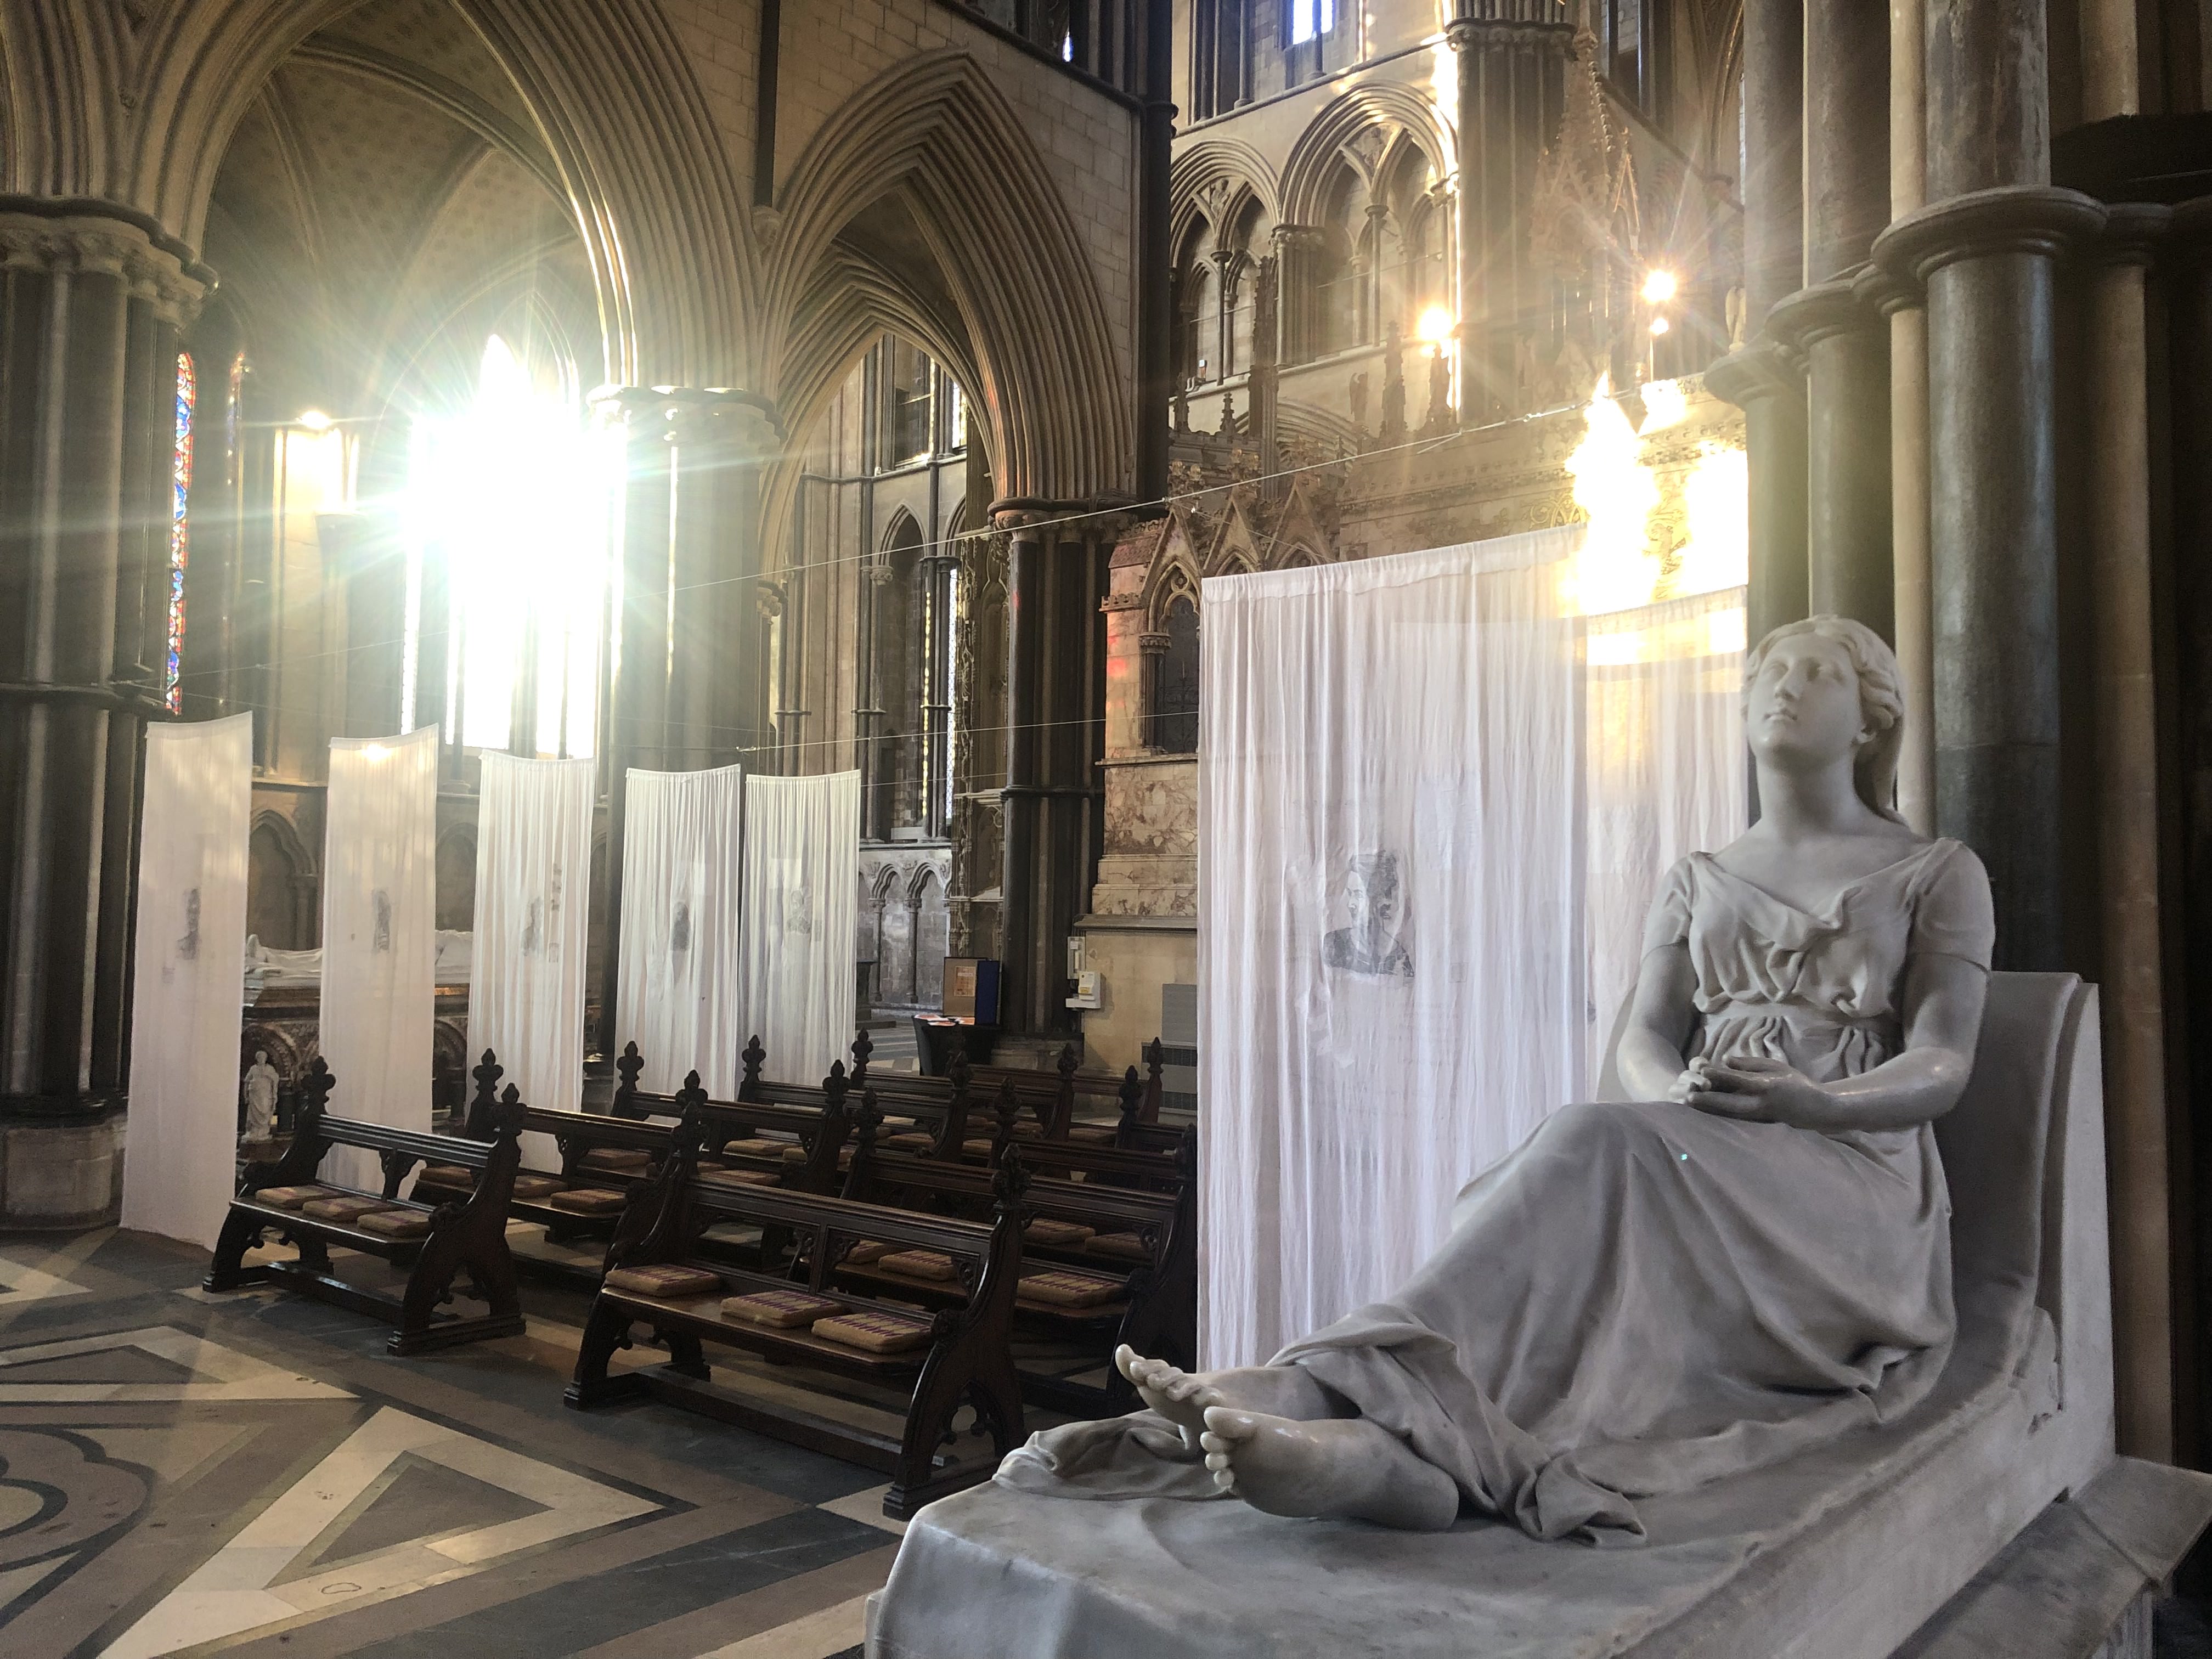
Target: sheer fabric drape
(802, 879)
(526, 990)
(379, 937)
(181, 1168)
(680, 989)
(1429, 796)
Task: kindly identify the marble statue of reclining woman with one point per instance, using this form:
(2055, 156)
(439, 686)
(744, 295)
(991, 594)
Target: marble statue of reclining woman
(1752, 1258)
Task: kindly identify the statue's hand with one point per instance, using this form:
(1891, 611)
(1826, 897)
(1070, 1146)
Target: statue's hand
(1692, 1080)
(1753, 1090)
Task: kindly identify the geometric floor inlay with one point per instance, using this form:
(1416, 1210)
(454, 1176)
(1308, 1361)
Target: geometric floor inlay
(401, 1504)
(20, 1282)
(200, 1370)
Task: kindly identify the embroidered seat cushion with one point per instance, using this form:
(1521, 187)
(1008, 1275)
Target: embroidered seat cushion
(911, 1143)
(1064, 1233)
(447, 1174)
(619, 1159)
(342, 1208)
(735, 1178)
(1063, 1289)
(588, 1201)
(874, 1333)
(919, 1264)
(535, 1185)
(865, 1251)
(664, 1280)
(395, 1224)
(783, 1309)
(291, 1198)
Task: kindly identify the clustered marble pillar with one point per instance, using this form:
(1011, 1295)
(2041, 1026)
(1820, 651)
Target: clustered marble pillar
(93, 304)
(1986, 249)
(1908, 425)
(688, 648)
(1052, 804)
(1760, 377)
(1837, 332)
(1512, 59)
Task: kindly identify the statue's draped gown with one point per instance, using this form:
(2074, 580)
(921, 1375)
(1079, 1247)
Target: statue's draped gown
(1645, 1297)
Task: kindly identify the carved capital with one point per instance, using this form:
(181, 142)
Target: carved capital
(1819, 312)
(1750, 372)
(92, 244)
(2132, 232)
(2038, 219)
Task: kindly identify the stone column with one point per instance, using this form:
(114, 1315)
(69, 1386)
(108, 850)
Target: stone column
(1297, 249)
(1511, 57)
(1908, 426)
(1761, 378)
(2130, 934)
(1028, 625)
(93, 301)
(1843, 342)
(719, 441)
(1986, 248)
(636, 701)
(1764, 382)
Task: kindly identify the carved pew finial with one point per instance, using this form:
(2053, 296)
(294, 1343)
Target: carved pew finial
(478, 1126)
(754, 1056)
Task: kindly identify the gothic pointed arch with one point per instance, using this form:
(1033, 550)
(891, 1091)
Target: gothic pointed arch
(938, 135)
(147, 112)
(1360, 126)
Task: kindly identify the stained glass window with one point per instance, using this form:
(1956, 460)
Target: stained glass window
(180, 540)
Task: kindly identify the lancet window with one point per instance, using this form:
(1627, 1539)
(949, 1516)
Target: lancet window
(1174, 701)
(181, 486)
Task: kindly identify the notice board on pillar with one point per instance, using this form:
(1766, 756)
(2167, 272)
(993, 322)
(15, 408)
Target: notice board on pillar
(1434, 802)
(799, 920)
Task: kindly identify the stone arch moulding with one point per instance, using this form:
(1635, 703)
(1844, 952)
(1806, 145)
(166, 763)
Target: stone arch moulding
(902, 525)
(145, 122)
(848, 302)
(1218, 170)
(1312, 160)
(936, 132)
(1174, 575)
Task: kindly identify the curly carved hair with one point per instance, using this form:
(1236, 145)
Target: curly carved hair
(1882, 701)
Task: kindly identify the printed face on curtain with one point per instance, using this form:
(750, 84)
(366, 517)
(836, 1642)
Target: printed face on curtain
(534, 904)
(379, 937)
(1399, 965)
(679, 994)
(181, 1168)
(802, 876)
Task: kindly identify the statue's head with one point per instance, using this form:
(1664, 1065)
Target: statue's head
(260, 1056)
(1371, 889)
(1817, 690)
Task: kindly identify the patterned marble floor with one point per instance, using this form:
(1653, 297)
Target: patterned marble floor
(251, 1475)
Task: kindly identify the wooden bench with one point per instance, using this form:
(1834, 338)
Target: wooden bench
(967, 1358)
(1156, 1253)
(471, 1234)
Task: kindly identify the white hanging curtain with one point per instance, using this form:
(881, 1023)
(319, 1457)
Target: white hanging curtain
(802, 876)
(1418, 832)
(533, 905)
(679, 994)
(379, 937)
(1666, 771)
(182, 1166)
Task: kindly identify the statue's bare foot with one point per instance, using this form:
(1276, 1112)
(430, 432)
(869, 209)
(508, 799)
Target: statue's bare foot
(1335, 1467)
(1174, 1393)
